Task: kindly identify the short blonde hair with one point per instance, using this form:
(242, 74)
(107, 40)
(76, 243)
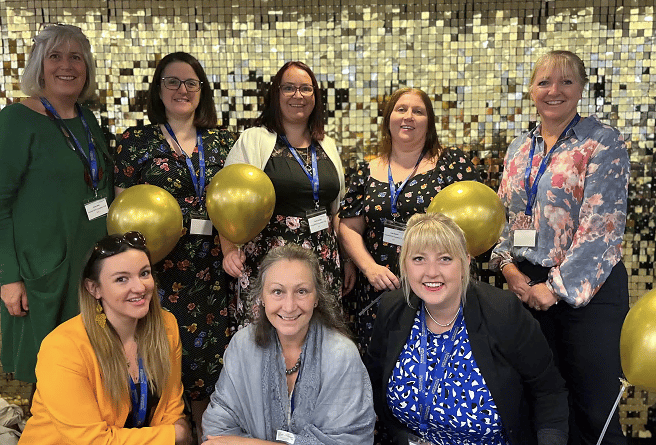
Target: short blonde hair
(566, 61)
(434, 231)
(50, 37)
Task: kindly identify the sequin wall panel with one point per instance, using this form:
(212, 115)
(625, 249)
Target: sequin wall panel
(473, 59)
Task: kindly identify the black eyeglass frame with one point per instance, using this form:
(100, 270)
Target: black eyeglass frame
(296, 88)
(180, 82)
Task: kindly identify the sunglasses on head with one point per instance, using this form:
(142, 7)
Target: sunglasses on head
(111, 244)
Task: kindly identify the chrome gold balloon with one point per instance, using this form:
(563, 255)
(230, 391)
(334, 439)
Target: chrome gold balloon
(150, 210)
(476, 208)
(638, 342)
(240, 202)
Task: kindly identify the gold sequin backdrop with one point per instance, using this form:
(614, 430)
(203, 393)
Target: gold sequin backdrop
(472, 57)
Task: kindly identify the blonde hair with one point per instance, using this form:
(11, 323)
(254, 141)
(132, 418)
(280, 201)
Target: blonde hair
(565, 61)
(50, 37)
(436, 232)
(151, 338)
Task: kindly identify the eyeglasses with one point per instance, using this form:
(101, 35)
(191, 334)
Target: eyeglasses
(111, 244)
(288, 90)
(173, 83)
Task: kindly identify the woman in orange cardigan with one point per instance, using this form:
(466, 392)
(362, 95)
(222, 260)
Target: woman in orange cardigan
(111, 375)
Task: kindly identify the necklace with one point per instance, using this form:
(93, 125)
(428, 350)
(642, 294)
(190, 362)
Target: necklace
(294, 368)
(440, 324)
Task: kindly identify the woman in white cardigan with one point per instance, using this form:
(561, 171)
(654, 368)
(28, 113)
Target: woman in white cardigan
(289, 144)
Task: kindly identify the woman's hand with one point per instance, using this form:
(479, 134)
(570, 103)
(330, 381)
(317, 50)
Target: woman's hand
(15, 298)
(233, 262)
(182, 432)
(517, 281)
(540, 297)
(381, 278)
(350, 274)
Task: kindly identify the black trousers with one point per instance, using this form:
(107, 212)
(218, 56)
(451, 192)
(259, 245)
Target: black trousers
(586, 346)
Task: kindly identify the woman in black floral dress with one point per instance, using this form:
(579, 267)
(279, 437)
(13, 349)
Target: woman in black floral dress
(370, 229)
(182, 138)
(289, 144)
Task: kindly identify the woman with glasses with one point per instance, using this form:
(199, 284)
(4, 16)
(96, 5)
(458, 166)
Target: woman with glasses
(180, 151)
(112, 374)
(289, 144)
(55, 188)
(411, 168)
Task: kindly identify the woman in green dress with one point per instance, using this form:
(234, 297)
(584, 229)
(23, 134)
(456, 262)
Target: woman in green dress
(55, 188)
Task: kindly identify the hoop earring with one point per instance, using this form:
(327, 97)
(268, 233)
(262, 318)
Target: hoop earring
(101, 318)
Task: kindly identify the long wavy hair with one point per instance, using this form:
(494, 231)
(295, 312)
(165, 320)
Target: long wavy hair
(327, 311)
(152, 342)
(271, 117)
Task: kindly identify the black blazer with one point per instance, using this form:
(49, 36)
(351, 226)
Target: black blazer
(510, 350)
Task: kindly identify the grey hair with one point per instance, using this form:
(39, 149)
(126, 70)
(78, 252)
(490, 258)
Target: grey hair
(437, 232)
(51, 37)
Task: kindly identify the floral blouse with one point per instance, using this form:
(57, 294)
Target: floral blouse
(580, 210)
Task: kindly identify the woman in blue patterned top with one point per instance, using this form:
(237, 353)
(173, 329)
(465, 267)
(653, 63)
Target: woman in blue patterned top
(454, 361)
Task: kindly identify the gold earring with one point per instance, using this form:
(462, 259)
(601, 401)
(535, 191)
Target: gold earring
(101, 318)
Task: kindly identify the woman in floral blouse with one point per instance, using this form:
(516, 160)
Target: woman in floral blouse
(180, 151)
(565, 190)
(412, 167)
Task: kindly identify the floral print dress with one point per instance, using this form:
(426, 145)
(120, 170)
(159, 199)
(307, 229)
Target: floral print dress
(370, 198)
(290, 225)
(190, 279)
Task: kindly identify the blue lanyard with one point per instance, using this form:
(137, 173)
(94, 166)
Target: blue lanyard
(438, 372)
(91, 161)
(394, 192)
(314, 177)
(198, 181)
(139, 404)
(532, 192)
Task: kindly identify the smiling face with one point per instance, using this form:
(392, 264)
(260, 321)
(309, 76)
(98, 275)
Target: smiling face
(556, 92)
(64, 71)
(124, 287)
(296, 109)
(289, 296)
(179, 103)
(436, 278)
(409, 122)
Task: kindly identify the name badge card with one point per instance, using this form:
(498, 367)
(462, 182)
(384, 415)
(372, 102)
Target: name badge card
(285, 436)
(200, 227)
(524, 237)
(393, 233)
(317, 219)
(96, 208)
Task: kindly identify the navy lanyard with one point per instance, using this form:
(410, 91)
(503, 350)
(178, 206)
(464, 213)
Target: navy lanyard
(394, 192)
(139, 404)
(438, 372)
(91, 161)
(532, 192)
(198, 181)
(314, 177)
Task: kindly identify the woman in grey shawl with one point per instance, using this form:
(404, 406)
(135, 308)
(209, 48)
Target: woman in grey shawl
(293, 376)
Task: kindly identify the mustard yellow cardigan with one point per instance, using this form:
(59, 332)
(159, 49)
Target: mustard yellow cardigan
(71, 406)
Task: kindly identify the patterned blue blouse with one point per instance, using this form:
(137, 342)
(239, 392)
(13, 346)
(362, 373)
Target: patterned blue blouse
(462, 409)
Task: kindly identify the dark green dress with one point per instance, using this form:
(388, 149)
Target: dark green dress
(45, 233)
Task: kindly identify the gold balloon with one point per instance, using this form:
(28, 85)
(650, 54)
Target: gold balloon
(638, 342)
(476, 208)
(150, 210)
(240, 202)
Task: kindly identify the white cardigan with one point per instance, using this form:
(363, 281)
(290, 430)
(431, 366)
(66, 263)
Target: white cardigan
(256, 144)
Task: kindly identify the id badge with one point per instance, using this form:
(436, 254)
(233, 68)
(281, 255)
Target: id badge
(96, 208)
(317, 219)
(285, 436)
(524, 237)
(414, 440)
(200, 223)
(393, 233)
